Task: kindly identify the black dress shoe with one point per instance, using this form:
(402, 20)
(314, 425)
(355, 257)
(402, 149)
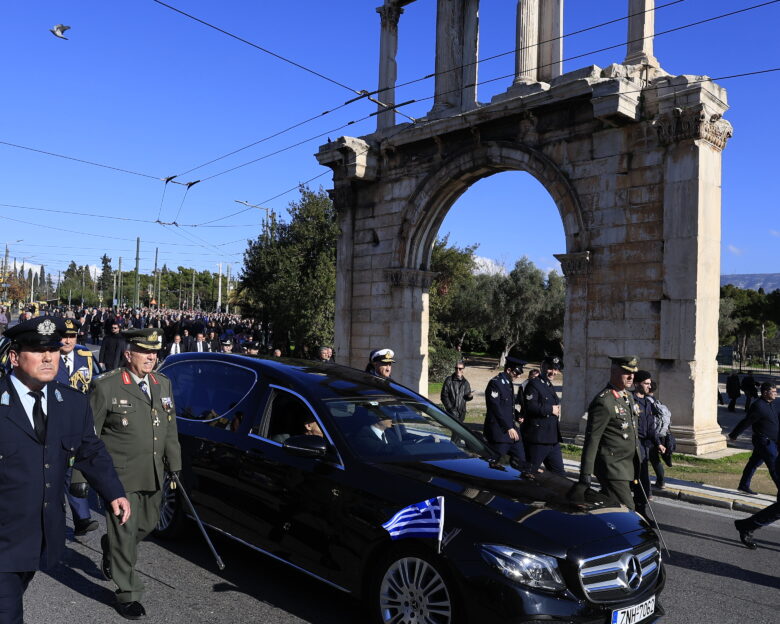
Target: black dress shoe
(747, 490)
(745, 536)
(131, 610)
(105, 564)
(82, 527)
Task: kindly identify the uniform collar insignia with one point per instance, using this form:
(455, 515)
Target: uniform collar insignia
(5, 399)
(58, 396)
(126, 377)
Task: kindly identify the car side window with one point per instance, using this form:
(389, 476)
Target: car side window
(211, 391)
(285, 415)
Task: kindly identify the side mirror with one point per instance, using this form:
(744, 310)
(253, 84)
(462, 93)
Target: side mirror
(307, 446)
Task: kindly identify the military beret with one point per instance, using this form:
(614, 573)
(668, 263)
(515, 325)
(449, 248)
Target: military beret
(628, 363)
(42, 332)
(383, 356)
(641, 376)
(149, 339)
(552, 362)
(71, 327)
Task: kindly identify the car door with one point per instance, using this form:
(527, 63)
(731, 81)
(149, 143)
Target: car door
(294, 499)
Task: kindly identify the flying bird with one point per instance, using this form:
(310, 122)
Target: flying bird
(58, 30)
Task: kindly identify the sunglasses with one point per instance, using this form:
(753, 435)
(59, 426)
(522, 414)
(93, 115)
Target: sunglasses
(459, 368)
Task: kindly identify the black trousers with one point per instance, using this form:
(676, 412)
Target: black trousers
(12, 588)
(547, 454)
(513, 449)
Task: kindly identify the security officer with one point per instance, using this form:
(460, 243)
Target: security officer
(542, 409)
(380, 363)
(44, 428)
(611, 447)
(136, 418)
(500, 429)
(76, 370)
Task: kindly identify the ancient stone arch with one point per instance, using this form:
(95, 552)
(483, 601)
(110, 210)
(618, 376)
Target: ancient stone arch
(630, 154)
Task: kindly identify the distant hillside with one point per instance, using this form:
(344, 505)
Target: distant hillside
(753, 281)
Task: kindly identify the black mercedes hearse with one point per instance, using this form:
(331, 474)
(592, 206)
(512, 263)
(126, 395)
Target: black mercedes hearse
(305, 461)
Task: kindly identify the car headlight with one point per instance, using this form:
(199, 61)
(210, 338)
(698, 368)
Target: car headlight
(538, 571)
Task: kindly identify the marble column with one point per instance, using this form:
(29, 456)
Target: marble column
(456, 55)
(641, 30)
(527, 42)
(390, 12)
(550, 55)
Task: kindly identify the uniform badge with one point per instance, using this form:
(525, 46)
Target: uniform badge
(624, 425)
(528, 397)
(71, 461)
(494, 394)
(58, 396)
(166, 402)
(125, 422)
(625, 436)
(170, 418)
(617, 410)
(5, 399)
(156, 421)
(123, 402)
(113, 400)
(47, 328)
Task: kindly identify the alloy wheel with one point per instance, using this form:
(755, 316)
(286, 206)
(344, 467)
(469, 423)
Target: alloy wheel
(413, 592)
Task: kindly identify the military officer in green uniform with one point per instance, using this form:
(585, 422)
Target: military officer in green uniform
(611, 448)
(136, 418)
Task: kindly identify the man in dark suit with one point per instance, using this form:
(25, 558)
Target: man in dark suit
(200, 344)
(112, 349)
(44, 428)
(378, 437)
(763, 418)
(500, 429)
(541, 432)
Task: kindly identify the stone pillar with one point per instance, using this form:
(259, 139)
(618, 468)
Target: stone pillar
(389, 13)
(456, 55)
(550, 56)
(641, 30)
(694, 137)
(575, 269)
(527, 39)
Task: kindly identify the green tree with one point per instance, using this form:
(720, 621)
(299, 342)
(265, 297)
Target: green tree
(106, 282)
(289, 273)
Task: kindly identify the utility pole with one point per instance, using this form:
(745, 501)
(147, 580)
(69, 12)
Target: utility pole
(113, 290)
(192, 302)
(219, 289)
(227, 297)
(137, 274)
(119, 290)
(181, 277)
(154, 279)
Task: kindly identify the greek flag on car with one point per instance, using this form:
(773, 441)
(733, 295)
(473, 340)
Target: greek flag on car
(425, 519)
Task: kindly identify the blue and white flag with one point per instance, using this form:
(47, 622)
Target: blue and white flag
(425, 519)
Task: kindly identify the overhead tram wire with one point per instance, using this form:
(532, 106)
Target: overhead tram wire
(368, 94)
(233, 214)
(584, 54)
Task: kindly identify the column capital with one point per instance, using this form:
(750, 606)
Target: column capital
(694, 123)
(576, 263)
(390, 12)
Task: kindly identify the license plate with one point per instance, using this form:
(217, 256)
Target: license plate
(637, 613)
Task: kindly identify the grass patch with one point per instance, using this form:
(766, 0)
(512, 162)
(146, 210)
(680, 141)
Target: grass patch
(434, 391)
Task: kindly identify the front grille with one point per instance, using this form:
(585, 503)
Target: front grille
(619, 575)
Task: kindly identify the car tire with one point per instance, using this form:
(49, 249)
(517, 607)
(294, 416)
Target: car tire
(171, 522)
(411, 586)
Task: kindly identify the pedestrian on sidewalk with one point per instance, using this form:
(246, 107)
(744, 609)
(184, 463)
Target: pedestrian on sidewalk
(663, 419)
(500, 429)
(763, 418)
(647, 434)
(455, 392)
(763, 518)
(733, 390)
(541, 429)
(749, 388)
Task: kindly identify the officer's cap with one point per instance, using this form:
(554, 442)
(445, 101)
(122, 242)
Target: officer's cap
(71, 327)
(551, 362)
(515, 364)
(225, 342)
(383, 356)
(44, 332)
(149, 339)
(629, 363)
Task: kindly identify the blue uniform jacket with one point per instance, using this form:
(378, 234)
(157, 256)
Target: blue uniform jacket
(540, 425)
(32, 475)
(763, 418)
(500, 417)
(84, 370)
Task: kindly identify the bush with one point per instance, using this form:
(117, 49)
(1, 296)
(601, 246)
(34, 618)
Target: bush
(441, 362)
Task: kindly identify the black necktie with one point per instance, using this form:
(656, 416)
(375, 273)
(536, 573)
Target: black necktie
(39, 418)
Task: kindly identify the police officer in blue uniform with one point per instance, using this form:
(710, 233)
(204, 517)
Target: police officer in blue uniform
(44, 428)
(77, 368)
(500, 430)
(542, 409)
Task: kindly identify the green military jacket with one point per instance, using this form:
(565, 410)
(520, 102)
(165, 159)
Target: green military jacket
(138, 432)
(611, 446)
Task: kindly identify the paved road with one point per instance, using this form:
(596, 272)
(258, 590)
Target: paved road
(711, 578)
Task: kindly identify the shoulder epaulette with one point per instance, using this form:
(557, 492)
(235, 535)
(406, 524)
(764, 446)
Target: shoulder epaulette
(107, 374)
(62, 386)
(85, 352)
(603, 394)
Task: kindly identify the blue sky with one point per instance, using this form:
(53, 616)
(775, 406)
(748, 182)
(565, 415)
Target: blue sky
(142, 88)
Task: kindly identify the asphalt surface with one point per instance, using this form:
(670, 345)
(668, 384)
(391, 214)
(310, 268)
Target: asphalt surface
(711, 578)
